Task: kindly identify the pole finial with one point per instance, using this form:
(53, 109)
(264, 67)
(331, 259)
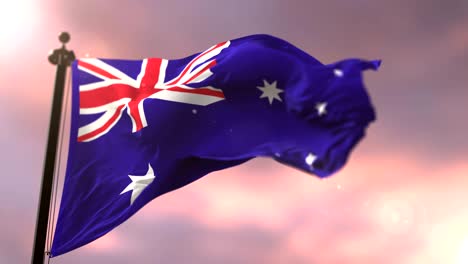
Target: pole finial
(64, 37)
(62, 56)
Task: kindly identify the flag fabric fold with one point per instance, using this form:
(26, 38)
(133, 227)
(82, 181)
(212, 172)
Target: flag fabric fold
(142, 128)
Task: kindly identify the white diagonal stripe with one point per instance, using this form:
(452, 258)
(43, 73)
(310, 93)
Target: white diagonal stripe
(104, 108)
(199, 69)
(99, 123)
(81, 68)
(202, 58)
(202, 77)
(188, 98)
(106, 67)
(209, 55)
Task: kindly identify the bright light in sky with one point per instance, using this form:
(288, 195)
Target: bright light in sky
(395, 216)
(18, 18)
(463, 252)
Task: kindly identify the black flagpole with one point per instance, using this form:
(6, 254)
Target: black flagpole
(62, 58)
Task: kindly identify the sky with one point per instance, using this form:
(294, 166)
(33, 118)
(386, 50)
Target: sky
(401, 198)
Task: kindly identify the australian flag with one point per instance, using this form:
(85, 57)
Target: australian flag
(142, 128)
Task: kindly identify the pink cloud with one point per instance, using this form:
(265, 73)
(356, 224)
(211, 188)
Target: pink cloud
(111, 242)
(372, 210)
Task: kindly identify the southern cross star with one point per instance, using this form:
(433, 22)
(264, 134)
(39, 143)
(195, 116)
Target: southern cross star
(310, 159)
(139, 183)
(321, 108)
(270, 91)
(338, 72)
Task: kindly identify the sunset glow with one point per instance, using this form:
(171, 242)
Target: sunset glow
(400, 199)
(18, 20)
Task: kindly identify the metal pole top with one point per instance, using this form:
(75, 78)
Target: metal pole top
(62, 56)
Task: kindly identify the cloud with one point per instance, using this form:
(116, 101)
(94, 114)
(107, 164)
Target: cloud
(400, 199)
(311, 221)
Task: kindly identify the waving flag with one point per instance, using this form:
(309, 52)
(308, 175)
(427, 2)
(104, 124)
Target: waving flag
(142, 128)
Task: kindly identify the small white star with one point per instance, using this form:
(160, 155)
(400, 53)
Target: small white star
(194, 111)
(338, 72)
(270, 91)
(139, 183)
(321, 108)
(310, 159)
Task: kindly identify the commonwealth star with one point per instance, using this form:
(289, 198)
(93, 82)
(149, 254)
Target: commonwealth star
(139, 183)
(270, 91)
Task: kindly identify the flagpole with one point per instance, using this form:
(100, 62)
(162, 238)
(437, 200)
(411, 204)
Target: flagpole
(62, 58)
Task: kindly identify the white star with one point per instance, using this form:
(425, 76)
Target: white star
(310, 159)
(270, 91)
(321, 108)
(139, 183)
(338, 72)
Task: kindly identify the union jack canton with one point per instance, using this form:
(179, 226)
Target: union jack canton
(118, 92)
(142, 128)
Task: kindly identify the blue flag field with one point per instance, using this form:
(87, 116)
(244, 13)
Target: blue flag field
(142, 128)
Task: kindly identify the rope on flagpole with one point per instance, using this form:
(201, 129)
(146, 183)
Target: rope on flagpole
(57, 174)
